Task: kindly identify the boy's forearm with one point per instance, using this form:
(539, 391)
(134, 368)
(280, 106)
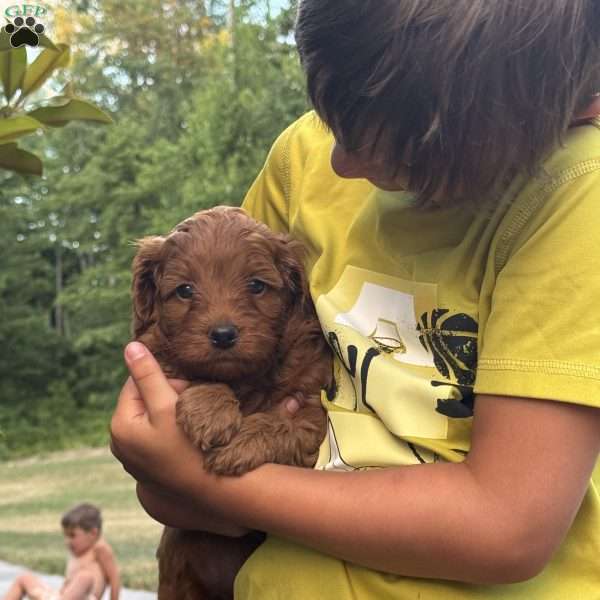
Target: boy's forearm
(175, 513)
(497, 517)
(428, 521)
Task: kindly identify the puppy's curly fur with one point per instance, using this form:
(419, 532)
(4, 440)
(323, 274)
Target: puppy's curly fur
(223, 301)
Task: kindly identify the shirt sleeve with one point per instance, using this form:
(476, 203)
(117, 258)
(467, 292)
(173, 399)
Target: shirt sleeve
(268, 198)
(542, 336)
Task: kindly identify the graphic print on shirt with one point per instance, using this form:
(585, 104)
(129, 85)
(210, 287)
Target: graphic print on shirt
(452, 340)
(404, 368)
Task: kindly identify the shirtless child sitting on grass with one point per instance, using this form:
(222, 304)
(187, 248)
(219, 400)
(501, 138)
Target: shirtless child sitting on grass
(91, 565)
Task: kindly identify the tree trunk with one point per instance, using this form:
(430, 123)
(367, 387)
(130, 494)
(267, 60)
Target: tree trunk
(58, 309)
(231, 24)
(231, 20)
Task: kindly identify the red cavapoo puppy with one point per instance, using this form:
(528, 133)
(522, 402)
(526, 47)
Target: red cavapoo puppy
(223, 302)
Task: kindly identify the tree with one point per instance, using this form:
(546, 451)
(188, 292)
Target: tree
(194, 117)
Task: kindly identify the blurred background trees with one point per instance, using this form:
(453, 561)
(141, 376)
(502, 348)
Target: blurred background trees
(198, 91)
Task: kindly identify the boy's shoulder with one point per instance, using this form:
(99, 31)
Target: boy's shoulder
(305, 134)
(102, 549)
(311, 124)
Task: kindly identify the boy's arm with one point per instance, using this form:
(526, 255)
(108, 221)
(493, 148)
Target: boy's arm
(160, 505)
(495, 518)
(498, 517)
(108, 564)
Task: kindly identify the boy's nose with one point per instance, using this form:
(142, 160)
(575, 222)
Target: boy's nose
(345, 164)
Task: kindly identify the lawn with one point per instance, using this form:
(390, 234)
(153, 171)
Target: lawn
(35, 493)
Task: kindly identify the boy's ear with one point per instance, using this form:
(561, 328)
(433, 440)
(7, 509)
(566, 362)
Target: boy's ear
(144, 286)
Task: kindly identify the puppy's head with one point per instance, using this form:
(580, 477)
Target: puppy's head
(213, 296)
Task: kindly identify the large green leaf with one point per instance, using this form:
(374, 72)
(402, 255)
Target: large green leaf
(73, 110)
(45, 42)
(16, 127)
(43, 66)
(13, 158)
(12, 67)
(4, 39)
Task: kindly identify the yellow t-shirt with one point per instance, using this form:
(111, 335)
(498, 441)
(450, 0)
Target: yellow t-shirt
(424, 310)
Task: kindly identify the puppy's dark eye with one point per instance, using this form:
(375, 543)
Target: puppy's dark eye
(185, 291)
(256, 286)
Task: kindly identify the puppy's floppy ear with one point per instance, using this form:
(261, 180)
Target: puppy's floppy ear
(144, 289)
(290, 263)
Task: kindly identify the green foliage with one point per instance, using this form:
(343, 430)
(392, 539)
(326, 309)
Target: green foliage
(12, 67)
(42, 68)
(17, 121)
(13, 158)
(197, 99)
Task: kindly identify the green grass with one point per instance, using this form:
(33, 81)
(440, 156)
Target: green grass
(35, 493)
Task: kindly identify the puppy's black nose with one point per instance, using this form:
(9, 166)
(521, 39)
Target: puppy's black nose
(223, 336)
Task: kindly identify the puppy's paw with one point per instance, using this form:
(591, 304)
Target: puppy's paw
(244, 453)
(209, 414)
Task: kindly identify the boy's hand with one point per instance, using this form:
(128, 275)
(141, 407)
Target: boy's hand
(155, 451)
(144, 434)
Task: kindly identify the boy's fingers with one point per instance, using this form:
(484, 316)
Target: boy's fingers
(148, 377)
(130, 400)
(129, 405)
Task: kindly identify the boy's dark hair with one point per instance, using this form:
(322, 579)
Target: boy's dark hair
(85, 516)
(467, 92)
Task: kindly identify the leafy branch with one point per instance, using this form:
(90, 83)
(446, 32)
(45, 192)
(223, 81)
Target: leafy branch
(20, 79)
